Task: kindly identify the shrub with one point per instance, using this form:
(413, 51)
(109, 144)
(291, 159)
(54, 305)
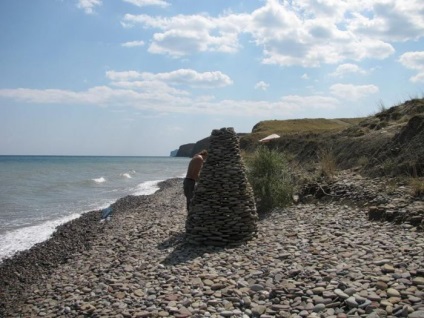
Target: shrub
(268, 174)
(389, 166)
(327, 162)
(417, 186)
(363, 161)
(381, 107)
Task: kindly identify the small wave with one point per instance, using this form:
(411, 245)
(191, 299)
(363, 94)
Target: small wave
(99, 180)
(147, 188)
(126, 175)
(24, 238)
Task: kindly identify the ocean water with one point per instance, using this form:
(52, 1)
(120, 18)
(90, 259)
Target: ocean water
(38, 193)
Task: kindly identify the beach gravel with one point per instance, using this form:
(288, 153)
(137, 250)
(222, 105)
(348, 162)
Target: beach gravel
(320, 259)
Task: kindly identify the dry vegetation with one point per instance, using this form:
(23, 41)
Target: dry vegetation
(294, 127)
(388, 143)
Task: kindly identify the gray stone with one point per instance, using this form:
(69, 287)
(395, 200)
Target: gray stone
(351, 302)
(341, 294)
(318, 308)
(391, 292)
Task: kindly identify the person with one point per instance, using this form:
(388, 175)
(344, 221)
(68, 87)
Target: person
(192, 176)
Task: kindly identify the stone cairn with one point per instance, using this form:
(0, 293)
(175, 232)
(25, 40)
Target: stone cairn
(223, 210)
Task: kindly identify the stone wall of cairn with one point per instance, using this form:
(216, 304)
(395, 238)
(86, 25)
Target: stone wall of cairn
(223, 210)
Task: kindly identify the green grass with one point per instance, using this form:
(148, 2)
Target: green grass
(417, 186)
(300, 126)
(327, 162)
(269, 175)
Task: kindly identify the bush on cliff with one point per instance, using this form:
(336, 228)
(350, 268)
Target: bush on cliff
(269, 176)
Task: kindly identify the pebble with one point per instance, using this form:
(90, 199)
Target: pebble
(391, 292)
(417, 314)
(351, 302)
(309, 260)
(341, 294)
(318, 308)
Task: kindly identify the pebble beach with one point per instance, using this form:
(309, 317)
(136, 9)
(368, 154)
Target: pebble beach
(312, 259)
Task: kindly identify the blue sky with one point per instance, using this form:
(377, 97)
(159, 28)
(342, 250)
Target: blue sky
(142, 77)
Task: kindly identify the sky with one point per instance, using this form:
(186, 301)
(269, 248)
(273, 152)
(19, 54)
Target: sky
(142, 77)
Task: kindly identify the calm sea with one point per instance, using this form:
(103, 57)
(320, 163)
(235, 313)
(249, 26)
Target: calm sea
(38, 193)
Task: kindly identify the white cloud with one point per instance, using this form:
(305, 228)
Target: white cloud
(353, 92)
(179, 77)
(305, 76)
(184, 35)
(390, 20)
(123, 76)
(145, 3)
(418, 78)
(308, 33)
(133, 44)
(262, 85)
(414, 61)
(160, 98)
(152, 87)
(88, 5)
(96, 95)
(312, 101)
(347, 68)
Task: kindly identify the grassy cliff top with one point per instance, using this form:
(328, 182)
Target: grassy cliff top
(293, 127)
(307, 125)
(388, 141)
(393, 116)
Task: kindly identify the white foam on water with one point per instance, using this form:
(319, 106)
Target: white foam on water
(24, 238)
(70, 195)
(147, 188)
(99, 180)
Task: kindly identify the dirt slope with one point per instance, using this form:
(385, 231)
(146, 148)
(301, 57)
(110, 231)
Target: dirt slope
(386, 144)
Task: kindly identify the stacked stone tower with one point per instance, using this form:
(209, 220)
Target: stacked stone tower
(222, 211)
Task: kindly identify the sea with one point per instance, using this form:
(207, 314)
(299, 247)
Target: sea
(39, 193)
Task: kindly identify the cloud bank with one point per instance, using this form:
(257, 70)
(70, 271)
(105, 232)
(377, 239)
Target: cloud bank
(306, 33)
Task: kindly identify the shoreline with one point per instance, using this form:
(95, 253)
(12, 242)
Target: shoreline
(151, 187)
(28, 266)
(316, 259)
(49, 226)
